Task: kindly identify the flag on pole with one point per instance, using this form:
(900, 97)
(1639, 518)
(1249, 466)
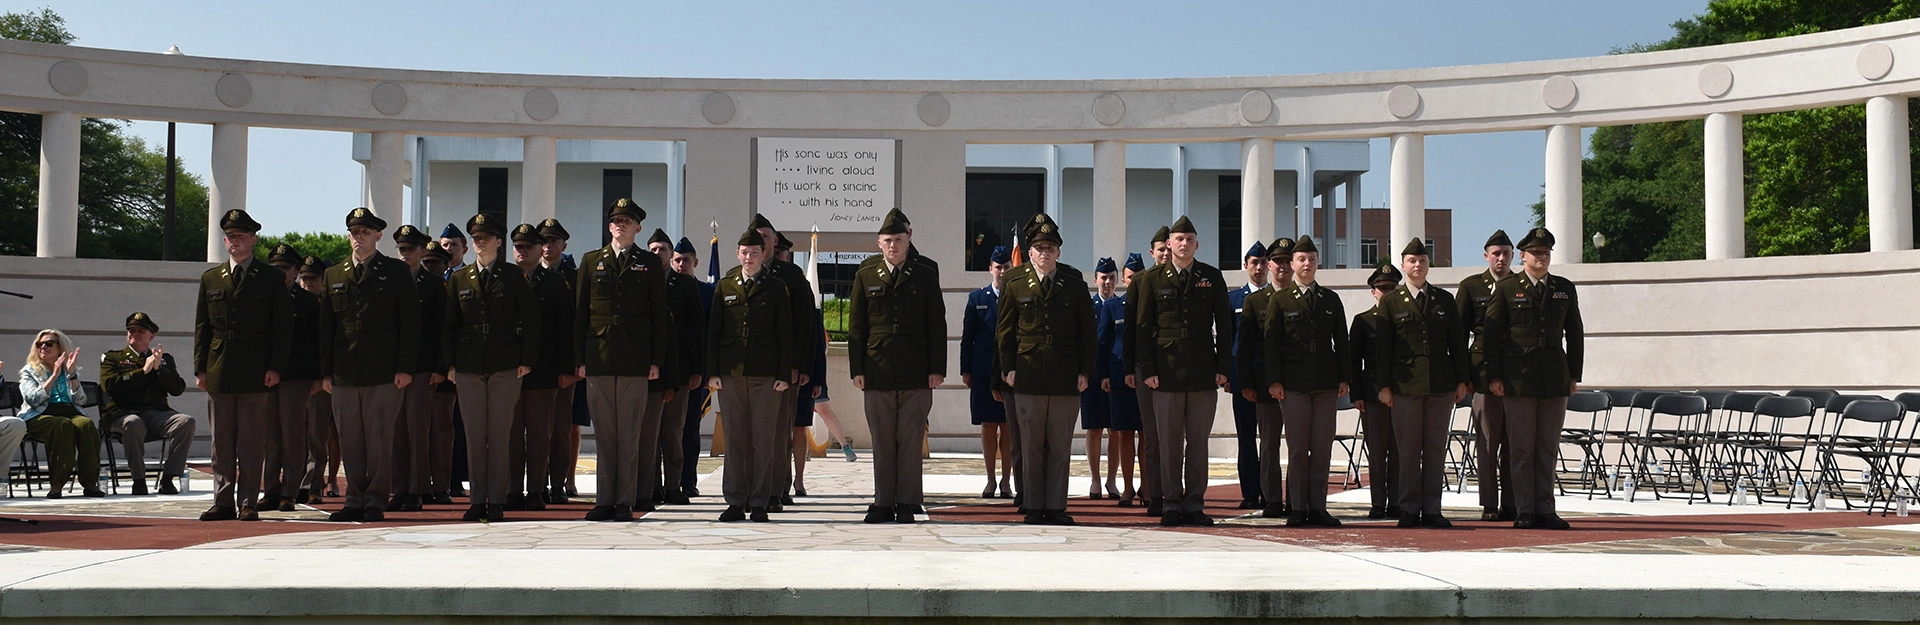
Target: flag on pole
(1016, 246)
(813, 264)
(713, 259)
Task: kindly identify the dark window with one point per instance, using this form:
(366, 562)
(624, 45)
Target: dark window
(996, 205)
(1230, 222)
(493, 193)
(614, 184)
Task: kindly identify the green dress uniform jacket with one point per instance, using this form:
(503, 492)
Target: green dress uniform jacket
(1307, 340)
(1472, 298)
(1365, 336)
(303, 358)
(433, 318)
(493, 321)
(1186, 327)
(1045, 331)
(370, 322)
(688, 325)
(806, 330)
(1250, 338)
(555, 302)
(131, 389)
(1423, 345)
(896, 325)
(242, 327)
(1535, 340)
(621, 323)
(749, 331)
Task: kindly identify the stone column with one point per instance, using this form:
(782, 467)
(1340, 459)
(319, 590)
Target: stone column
(1181, 174)
(1303, 203)
(386, 175)
(1889, 175)
(537, 158)
(1726, 187)
(1109, 199)
(422, 168)
(1563, 216)
(1353, 221)
(59, 186)
(677, 190)
(1407, 195)
(228, 190)
(1256, 191)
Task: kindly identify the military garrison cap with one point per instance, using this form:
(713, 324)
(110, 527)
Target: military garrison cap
(1384, 277)
(1499, 238)
(1416, 247)
(1134, 263)
(1537, 237)
(1182, 225)
(284, 253)
(895, 223)
(491, 225)
(452, 232)
(409, 234)
(781, 242)
(1304, 245)
(1281, 249)
(141, 320)
(1257, 250)
(435, 251)
(752, 237)
(315, 265)
(1159, 236)
(685, 246)
(659, 236)
(366, 218)
(551, 227)
(624, 206)
(1001, 254)
(1105, 265)
(237, 219)
(1042, 228)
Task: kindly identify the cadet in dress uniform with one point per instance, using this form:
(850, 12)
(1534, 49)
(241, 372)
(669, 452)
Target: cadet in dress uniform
(242, 331)
(1310, 367)
(666, 471)
(370, 340)
(563, 450)
(444, 397)
(1095, 411)
(1376, 419)
(286, 458)
(897, 355)
(138, 379)
(1110, 331)
(622, 338)
(531, 438)
(685, 261)
(491, 340)
(978, 373)
(806, 328)
(321, 432)
(1186, 349)
(1492, 454)
(413, 427)
(1246, 424)
(749, 363)
(1046, 345)
(1422, 373)
(454, 243)
(1150, 481)
(1535, 343)
(1250, 365)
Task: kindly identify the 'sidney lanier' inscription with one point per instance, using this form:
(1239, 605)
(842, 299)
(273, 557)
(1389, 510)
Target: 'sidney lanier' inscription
(844, 185)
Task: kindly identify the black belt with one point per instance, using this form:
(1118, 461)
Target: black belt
(618, 320)
(884, 330)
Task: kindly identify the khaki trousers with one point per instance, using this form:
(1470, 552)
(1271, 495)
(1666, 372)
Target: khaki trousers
(1420, 436)
(413, 438)
(239, 445)
(647, 447)
(1383, 457)
(560, 457)
(137, 428)
(671, 446)
(1185, 423)
(487, 405)
(1150, 481)
(783, 460)
(531, 441)
(440, 443)
(898, 422)
(366, 416)
(1492, 452)
(1533, 428)
(286, 454)
(1309, 419)
(1046, 423)
(320, 421)
(620, 405)
(748, 411)
(1273, 484)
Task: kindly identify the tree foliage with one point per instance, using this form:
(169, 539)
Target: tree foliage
(122, 179)
(329, 246)
(1805, 170)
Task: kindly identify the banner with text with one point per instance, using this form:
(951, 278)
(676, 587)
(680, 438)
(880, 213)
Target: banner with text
(843, 185)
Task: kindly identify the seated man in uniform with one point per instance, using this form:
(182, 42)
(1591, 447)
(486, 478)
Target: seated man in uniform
(138, 379)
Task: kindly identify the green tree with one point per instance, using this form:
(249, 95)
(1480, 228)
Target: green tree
(1805, 170)
(122, 179)
(328, 246)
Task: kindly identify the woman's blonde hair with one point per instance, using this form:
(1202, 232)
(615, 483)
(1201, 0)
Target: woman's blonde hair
(33, 355)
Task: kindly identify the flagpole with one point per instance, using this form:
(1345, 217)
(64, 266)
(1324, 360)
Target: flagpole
(813, 264)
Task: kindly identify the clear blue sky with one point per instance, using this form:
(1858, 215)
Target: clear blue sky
(305, 180)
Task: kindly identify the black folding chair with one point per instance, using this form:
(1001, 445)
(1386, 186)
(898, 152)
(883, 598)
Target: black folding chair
(1671, 448)
(1871, 446)
(1732, 424)
(1590, 476)
(1773, 459)
(1462, 433)
(1352, 441)
(1638, 432)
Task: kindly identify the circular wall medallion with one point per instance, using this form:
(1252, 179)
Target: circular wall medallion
(1559, 92)
(389, 98)
(234, 90)
(68, 78)
(1716, 79)
(1109, 109)
(540, 104)
(934, 109)
(717, 107)
(1403, 101)
(1256, 106)
(1876, 60)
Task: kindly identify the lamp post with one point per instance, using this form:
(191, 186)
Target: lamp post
(1599, 241)
(166, 225)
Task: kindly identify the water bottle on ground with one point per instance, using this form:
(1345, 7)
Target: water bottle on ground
(1820, 499)
(1799, 491)
(1630, 488)
(1740, 495)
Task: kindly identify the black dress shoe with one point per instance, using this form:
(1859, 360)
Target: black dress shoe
(692, 491)
(878, 514)
(457, 493)
(758, 515)
(1435, 521)
(1154, 507)
(1523, 521)
(1172, 519)
(1034, 517)
(1273, 512)
(1197, 518)
(286, 505)
(516, 502)
(1377, 512)
(1298, 519)
(1056, 517)
(1407, 521)
(623, 513)
(786, 500)
(775, 506)
(373, 514)
(219, 513)
(1251, 504)
(556, 495)
(732, 514)
(1286, 508)
(478, 511)
(94, 492)
(1508, 514)
(1551, 522)
(311, 498)
(644, 507)
(659, 496)
(496, 513)
(679, 498)
(442, 499)
(1322, 519)
(1490, 514)
(1393, 512)
(167, 487)
(345, 515)
(412, 503)
(903, 513)
(605, 513)
(249, 513)
(139, 487)
(397, 503)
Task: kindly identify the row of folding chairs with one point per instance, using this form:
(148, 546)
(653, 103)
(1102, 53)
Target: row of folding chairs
(30, 466)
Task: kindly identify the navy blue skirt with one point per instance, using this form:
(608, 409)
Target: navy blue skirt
(1093, 408)
(1123, 408)
(984, 408)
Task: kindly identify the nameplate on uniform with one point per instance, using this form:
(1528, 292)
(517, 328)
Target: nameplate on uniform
(337, 285)
(875, 290)
(732, 297)
(1026, 300)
